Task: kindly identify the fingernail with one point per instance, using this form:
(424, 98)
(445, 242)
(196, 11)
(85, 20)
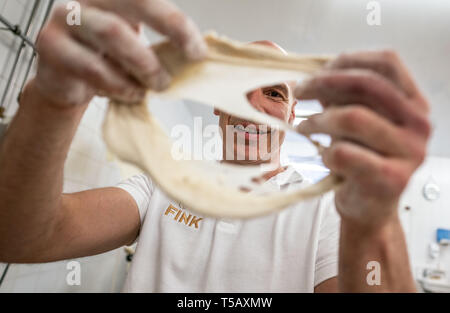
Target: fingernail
(161, 80)
(196, 49)
(137, 94)
(302, 128)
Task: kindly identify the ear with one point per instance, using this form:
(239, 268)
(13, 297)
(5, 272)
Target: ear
(216, 112)
(292, 115)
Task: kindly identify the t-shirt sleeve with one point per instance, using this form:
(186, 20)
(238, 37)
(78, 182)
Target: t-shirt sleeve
(328, 247)
(141, 188)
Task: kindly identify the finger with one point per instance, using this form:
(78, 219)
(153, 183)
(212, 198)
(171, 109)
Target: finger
(68, 56)
(386, 63)
(343, 87)
(367, 168)
(363, 126)
(113, 37)
(164, 17)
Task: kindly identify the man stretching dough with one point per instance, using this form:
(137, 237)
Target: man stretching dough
(378, 122)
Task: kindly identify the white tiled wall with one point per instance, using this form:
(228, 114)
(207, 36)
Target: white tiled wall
(87, 167)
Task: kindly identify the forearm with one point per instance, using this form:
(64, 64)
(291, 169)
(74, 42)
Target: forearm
(385, 245)
(32, 156)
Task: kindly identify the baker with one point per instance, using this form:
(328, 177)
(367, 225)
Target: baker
(375, 113)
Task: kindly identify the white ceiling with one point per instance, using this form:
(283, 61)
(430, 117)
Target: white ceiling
(419, 30)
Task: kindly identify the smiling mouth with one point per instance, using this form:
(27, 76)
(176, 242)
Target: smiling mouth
(252, 130)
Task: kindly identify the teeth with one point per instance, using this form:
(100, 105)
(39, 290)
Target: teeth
(250, 130)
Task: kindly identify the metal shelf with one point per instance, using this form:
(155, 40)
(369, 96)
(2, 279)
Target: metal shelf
(25, 42)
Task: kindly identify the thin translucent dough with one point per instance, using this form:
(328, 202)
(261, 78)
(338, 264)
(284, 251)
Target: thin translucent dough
(133, 134)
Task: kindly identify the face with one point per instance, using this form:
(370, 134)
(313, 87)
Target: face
(247, 143)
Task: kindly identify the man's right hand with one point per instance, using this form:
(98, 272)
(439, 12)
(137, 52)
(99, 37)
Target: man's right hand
(104, 55)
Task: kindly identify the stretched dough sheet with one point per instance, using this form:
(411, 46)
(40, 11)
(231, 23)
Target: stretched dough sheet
(222, 80)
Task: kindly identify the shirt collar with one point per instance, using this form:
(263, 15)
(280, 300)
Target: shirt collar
(287, 177)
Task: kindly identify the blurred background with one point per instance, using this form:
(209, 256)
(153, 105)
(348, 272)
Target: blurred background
(418, 30)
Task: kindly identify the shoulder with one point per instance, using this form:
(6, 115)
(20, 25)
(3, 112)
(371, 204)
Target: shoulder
(141, 189)
(139, 182)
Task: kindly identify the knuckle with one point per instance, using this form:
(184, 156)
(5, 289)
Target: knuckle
(421, 154)
(312, 122)
(93, 70)
(359, 85)
(338, 156)
(179, 25)
(150, 66)
(46, 39)
(109, 30)
(418, 151)
(425, 127)
(124, 89)
(178, 19)
(345, 59)
(323, 80)
(389, 55)
(353, 119)
(387, 65)
(59, 10)
(401, 181)
(387, 69)
(397, 178)
(414, 147)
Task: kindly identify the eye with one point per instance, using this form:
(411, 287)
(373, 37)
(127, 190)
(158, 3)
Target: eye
(273, 93)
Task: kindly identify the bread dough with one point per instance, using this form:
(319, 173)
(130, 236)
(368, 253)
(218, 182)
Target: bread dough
(134, 135)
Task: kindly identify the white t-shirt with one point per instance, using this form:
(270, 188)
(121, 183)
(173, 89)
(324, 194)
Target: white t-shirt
(179, 251)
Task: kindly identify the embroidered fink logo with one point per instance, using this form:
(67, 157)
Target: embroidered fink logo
(183, 217)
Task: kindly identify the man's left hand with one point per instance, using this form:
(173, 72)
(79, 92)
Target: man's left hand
(378, 121)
